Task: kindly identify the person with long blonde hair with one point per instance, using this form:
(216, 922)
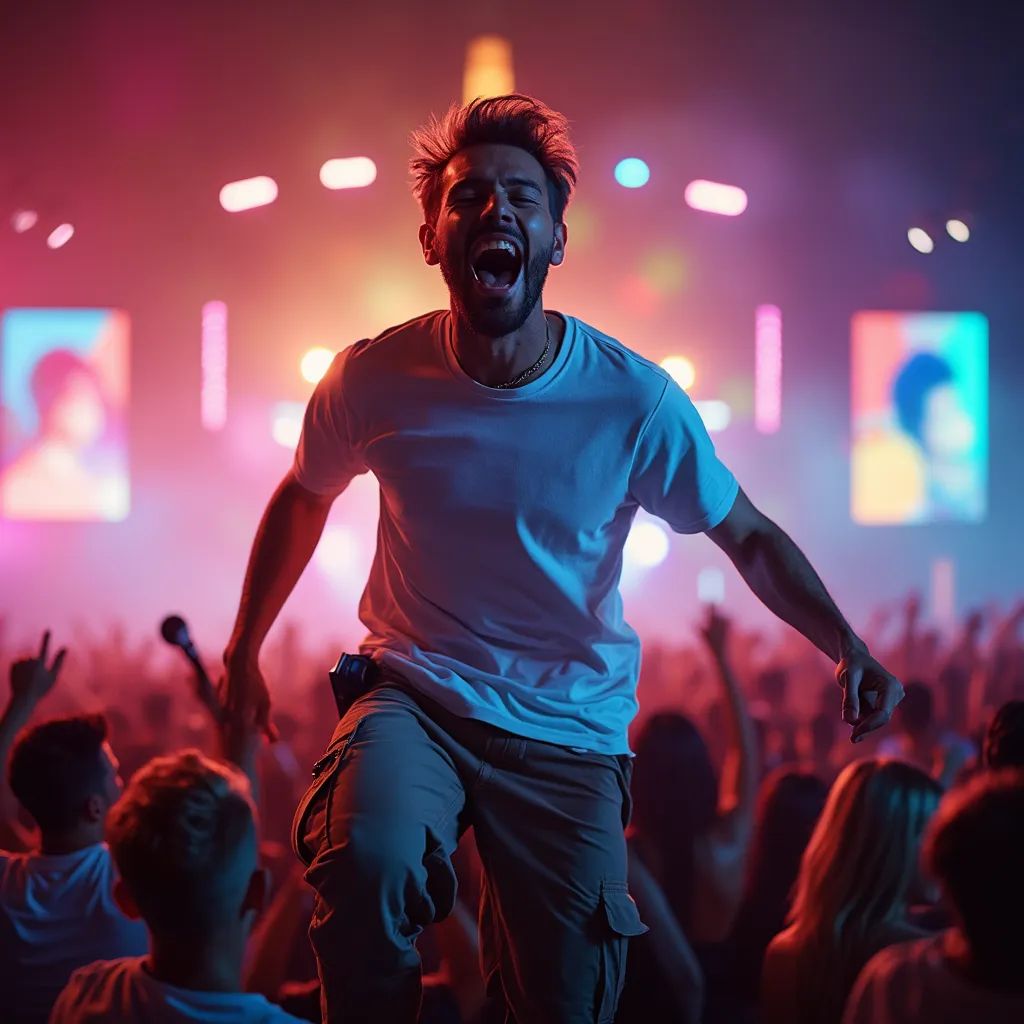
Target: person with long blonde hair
(858, 878)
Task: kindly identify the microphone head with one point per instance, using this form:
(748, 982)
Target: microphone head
(175, 632)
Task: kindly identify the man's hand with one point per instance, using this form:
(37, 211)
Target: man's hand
(32, 679)
(245, 696)
(870, 693)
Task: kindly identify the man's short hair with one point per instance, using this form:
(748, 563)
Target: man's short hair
(56, 766)
(1004, 741)
(974, 849)
(513, 120)
(183, 837)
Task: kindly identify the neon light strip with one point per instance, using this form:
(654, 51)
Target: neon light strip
(768, 369)
(214, 395)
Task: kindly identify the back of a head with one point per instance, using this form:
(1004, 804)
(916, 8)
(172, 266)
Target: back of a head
(1004, 741)
(789, 806)
(183, 837)
(974, 848)
(56, 766)
(858, 869)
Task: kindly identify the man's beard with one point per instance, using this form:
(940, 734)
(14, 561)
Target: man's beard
(495, 318)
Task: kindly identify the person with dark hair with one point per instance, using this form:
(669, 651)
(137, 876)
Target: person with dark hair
(185, 842)
(56, 906)
(514, 446)
(788, 808)
(975, 970)
(1004, 741)
(920, 742)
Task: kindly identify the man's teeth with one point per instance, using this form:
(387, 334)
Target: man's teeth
(500, 243)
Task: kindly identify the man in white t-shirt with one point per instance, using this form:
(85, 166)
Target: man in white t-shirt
(513, 447)
(184, 840)
(57, 910)
(974, 971)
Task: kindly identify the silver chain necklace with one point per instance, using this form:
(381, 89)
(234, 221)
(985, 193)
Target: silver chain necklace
(532, 369)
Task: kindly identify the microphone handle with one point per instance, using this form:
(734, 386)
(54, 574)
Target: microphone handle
(204, 688)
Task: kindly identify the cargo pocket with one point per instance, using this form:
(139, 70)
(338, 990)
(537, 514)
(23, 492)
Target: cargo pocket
(621, 921)
(324, 772)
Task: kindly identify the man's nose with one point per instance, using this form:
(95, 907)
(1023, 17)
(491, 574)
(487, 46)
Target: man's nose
(497, 207)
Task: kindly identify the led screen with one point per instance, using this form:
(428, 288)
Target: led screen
(919, 409)
(64, 400)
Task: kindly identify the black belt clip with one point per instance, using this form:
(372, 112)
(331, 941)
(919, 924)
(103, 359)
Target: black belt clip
(354, 675)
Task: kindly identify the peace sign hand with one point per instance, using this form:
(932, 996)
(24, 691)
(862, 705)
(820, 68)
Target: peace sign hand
(31, 679)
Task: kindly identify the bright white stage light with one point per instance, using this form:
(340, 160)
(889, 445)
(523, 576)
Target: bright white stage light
(715, 197)
(681, 370)
(248, 194)
(716, 414)
(920, 240)
(646, 546)
(286, 423)
(24, 220)
(348, 172)
(315, 363)
(958, 230)
(60, 236)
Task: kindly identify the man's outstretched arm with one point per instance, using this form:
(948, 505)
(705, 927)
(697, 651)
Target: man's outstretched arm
(285, 540)
(778, 572)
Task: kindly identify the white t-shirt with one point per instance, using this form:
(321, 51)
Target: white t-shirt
(57, 913)
(503, 515)
(123, 992)
(912, 983)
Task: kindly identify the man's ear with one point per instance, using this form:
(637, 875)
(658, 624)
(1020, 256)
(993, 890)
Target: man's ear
(561, 239)
(255, 898)
(125, 900)
(96, 808)
(428, 239)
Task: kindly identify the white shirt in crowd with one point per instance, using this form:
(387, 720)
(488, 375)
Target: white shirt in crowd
(57, 912)
(124, 992)
(913, 983)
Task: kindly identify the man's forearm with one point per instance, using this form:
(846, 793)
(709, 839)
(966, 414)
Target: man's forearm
(285, 540)
(778, 572)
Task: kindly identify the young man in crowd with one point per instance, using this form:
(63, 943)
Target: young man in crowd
(975, 970)
(56, 906)
(184, 839)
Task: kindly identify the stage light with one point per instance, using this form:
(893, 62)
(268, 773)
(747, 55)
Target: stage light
(24, 220)
(348, 172)
(315, 363)
(248, 194)
(681, 370)
(488, 69)
(632, 173)
(714, 197)
(943, 592)
(646, 546)
(711, 585)
(715, 413)
(286, 423)
(60, 235)
(337, 553)
(920, 240)
(767, 369)
(958, 230)
(213, 396)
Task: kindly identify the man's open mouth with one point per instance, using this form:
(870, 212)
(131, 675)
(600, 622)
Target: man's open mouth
(497, 264)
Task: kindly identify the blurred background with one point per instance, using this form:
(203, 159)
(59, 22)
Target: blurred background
(813, 216)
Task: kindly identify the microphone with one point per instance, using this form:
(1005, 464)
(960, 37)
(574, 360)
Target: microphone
(175, 631)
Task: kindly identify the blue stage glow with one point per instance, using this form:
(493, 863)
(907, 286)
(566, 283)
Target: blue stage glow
(632, 173)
